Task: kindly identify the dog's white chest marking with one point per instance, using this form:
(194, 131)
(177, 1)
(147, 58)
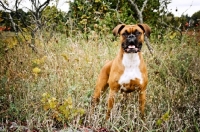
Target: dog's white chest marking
(131, 62)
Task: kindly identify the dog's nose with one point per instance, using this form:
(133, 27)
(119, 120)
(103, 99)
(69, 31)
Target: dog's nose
(131, 38)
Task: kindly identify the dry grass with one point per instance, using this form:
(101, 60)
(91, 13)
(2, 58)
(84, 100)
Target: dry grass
(69, 68)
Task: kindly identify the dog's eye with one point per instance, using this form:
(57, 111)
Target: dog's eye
(138, 33)
(125, 34)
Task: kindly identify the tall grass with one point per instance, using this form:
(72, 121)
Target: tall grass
(69, 66)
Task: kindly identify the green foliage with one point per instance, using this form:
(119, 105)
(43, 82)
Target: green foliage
(4, 22)
(112, 12)
(196, 15)
(1, 18)
(87, 13)
(54, 19)
(21, 18)
(196, 18)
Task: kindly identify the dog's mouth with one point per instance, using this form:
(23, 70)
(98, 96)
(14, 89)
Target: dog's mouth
(132, 48)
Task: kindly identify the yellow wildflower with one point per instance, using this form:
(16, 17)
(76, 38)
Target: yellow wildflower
(36, 70)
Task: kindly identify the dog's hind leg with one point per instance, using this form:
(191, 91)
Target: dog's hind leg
(102, 82)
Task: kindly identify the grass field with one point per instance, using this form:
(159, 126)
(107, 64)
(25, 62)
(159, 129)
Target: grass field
(51, 90)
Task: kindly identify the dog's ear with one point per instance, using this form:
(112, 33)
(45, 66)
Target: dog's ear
(146, 29)
(117, 29)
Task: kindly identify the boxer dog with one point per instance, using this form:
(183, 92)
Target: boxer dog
(127, 72)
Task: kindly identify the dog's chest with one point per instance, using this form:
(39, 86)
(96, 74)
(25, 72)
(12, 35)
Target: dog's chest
(132, 71)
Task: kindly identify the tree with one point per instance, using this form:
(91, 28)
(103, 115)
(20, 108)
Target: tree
(111, 12)
(196, 15)
(196, 18)
(34, 17)
(54, 19)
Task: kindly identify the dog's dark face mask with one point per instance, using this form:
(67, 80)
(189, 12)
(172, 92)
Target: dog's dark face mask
(132, 42)
(132, 36)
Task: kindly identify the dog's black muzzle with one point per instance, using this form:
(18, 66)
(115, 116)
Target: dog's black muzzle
(131, 45)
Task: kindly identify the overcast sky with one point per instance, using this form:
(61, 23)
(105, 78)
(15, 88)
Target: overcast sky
(184, 7)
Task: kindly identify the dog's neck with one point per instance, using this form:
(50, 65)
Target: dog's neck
(131, 56)
(131, 59)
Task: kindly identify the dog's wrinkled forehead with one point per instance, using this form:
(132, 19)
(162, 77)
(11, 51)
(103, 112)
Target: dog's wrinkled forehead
(142, 28)
(131, 29)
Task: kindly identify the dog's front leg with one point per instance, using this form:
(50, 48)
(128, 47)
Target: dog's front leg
(101, 84)
(111, 101)
(142, 101)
